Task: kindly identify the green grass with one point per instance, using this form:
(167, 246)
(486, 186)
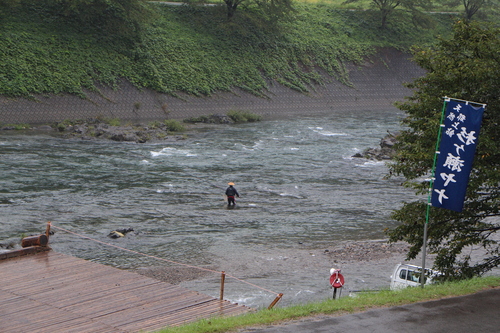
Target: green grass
(345, 305)
(174, 125)
(16, 127)
(194, 50)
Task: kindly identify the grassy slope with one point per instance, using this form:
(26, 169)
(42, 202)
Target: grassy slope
(341, 306)
(194, 50)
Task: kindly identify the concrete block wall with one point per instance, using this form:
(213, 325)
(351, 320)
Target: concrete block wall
(377, 84)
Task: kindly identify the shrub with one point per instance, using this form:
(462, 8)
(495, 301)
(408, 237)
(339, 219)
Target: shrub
(200, 119)
(155, 124)
(243, 117)
(21, 126)
(114, 122)
(174, 126)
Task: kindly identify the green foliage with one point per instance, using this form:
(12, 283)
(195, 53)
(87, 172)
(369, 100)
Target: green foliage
(106, 120)
(113, 121)
(155, 124)
(174, 125)
(109, 18)
(16, 127)
(200, 119)
(387, 7)
(243, 117)
(479, 8)
(61, 127)
(466, 67)
(19, 127)
(268, 11)
(193, 50)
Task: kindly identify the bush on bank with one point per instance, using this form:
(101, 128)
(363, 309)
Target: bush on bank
(243, 117)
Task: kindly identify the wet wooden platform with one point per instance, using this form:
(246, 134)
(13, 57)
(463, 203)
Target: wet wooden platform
(52, 292)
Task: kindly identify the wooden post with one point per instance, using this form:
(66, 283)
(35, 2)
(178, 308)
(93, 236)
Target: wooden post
(47, 230)
(222, 279)
(275, 301)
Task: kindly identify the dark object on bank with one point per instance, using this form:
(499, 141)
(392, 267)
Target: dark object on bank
(119, 233)
(212, 119)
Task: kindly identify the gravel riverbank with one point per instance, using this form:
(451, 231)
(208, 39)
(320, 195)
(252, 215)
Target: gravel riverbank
(354, 258)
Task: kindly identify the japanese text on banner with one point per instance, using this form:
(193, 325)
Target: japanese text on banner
(456, 153)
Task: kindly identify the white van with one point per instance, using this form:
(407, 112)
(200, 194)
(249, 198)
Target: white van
(406, 275)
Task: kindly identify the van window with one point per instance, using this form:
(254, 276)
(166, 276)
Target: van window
(409, 275)
(412, 277)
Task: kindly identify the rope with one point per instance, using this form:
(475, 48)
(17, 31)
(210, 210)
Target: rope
(162, 259)
(132, 251)
(251, 284)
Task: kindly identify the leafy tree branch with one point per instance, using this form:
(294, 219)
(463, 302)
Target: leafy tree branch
(466, 67)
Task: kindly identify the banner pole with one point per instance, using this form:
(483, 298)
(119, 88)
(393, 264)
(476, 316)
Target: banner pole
(429, 195)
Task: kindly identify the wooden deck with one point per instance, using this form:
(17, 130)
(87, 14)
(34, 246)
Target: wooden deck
(52, 292)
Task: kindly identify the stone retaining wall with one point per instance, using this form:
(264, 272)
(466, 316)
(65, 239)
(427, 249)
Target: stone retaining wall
(377, 85)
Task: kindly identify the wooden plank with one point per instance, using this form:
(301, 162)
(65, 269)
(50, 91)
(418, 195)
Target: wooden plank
(52, 292)
(115, 303)
(88, 289)
(23, 252)
(190, 311)
(46, 319)
(85, 298)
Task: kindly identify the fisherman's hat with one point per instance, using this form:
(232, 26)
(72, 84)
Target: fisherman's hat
(230, 183)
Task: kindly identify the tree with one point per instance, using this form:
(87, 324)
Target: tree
(465, 67)
(231, 6)
(471, 7)
(386, 7)
(109, 17)
(8, 4)
(273, 9)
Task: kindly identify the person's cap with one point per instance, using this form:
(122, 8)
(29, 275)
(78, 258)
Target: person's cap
(230, 183)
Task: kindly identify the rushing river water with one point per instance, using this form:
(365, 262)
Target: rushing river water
(300, 190)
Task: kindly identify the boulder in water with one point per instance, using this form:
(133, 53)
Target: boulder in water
(386, 150)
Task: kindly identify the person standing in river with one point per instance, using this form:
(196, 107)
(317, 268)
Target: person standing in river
(230, 193)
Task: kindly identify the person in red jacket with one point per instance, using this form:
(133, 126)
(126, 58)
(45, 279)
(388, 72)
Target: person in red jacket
(231, 193)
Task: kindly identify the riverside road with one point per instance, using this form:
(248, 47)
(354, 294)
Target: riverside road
(472, 313)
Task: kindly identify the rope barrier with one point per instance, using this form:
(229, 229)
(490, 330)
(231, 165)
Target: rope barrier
(251, 284)
(132, 251)
(166, 260)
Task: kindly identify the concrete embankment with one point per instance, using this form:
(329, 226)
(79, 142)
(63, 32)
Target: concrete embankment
(376, 84)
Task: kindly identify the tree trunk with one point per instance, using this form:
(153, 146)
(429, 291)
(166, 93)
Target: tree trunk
(385, 13)
(231, 9)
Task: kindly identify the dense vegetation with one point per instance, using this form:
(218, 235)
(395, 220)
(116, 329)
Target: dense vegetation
(465, 66)
(191, 49)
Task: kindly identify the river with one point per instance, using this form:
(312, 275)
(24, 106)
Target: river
(301, 193)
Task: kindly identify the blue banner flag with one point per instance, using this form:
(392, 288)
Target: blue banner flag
(459, 137)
